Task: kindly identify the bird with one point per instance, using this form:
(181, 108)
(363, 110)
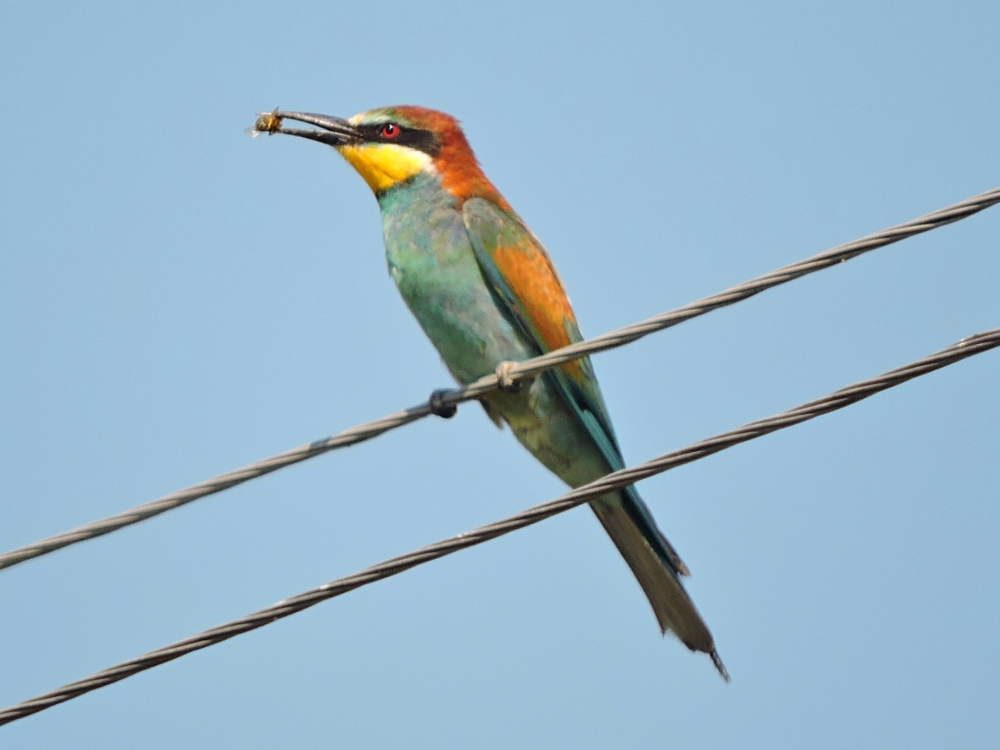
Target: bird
(486, 293)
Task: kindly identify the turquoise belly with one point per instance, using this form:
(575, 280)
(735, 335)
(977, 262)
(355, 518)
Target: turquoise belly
(432, 262)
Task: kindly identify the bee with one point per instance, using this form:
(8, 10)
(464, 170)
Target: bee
(267, 122)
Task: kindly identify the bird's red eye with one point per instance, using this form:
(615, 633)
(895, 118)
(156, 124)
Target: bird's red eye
(389, 130)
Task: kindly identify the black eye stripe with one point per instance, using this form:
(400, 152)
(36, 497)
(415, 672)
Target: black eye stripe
(421, 140)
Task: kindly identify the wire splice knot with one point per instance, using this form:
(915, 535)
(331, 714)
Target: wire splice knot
(437, 405)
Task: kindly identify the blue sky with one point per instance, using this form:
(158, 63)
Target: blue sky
(177, 299)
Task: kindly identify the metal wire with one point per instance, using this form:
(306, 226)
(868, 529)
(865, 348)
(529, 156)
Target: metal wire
(446, 400)
(837, 400)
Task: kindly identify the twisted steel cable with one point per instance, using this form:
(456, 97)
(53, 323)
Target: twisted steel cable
(444, 402)
(837, 400)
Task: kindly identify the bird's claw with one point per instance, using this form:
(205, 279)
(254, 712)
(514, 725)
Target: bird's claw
(505, 382)
(437, 406)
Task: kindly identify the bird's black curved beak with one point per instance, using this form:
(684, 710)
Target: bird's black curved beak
(332, 131)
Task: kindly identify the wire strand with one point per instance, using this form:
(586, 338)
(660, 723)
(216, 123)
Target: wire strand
(837, 400)
(443, 401)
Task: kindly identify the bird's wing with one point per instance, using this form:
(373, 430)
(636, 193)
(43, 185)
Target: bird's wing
(525, 283)
(519, 271)
(524, 280)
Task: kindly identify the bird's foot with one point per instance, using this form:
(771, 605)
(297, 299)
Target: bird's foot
(437, 406)
(505, 382)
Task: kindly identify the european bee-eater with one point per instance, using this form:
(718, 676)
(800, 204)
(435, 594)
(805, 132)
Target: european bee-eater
(485, 292)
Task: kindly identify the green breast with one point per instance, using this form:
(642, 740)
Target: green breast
(435, 269)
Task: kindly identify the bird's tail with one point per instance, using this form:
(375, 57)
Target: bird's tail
(657, 567)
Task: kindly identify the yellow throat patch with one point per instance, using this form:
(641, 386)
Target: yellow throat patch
(382, 165)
